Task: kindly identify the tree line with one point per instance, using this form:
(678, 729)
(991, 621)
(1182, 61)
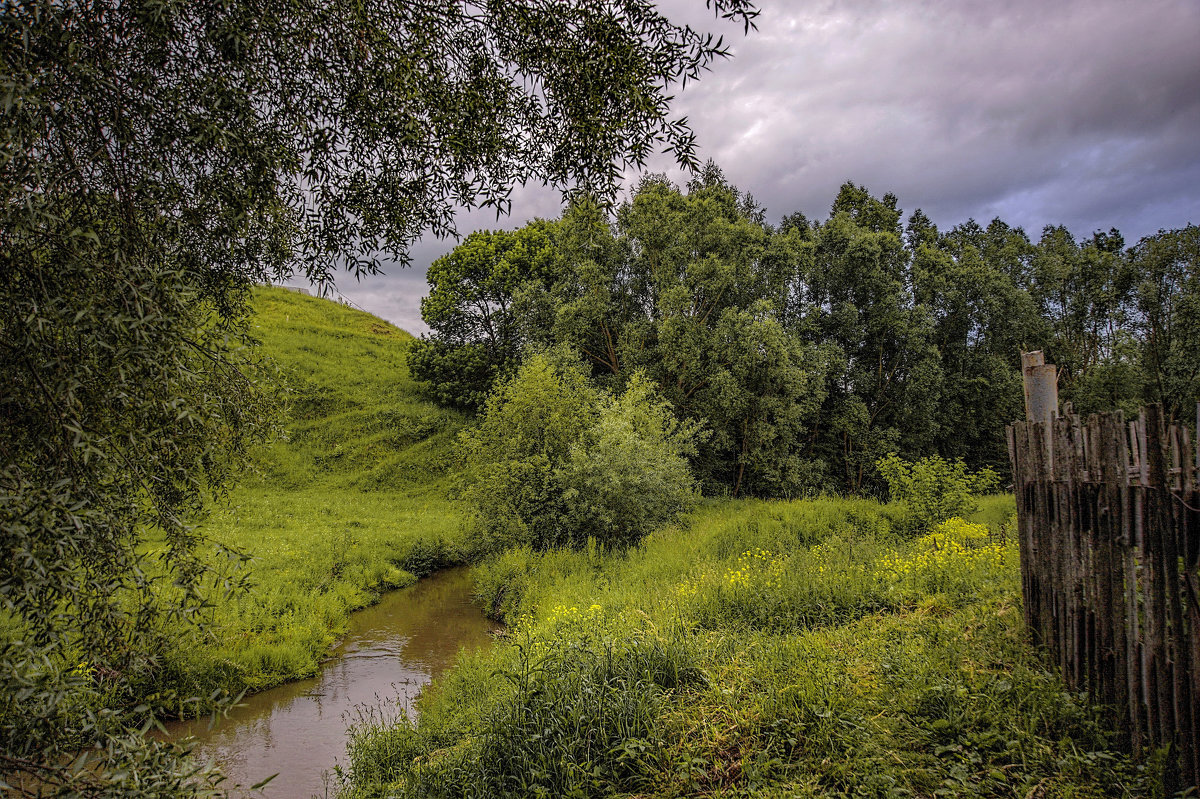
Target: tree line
(806, 351)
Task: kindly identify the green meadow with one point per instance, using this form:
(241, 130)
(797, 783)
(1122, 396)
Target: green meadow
(780, 649)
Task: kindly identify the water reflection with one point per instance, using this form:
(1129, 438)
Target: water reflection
(391, 650)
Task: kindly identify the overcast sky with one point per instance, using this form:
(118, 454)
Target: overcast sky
(1085, 114)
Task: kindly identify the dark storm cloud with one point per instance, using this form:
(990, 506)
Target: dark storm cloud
(1085, 114)
(1078, 113)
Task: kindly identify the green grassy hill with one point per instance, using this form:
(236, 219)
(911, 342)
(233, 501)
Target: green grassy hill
(355, 419)
(350, 500)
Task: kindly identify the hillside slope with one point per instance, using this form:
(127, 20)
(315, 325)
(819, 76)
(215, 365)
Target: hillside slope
(355, 418)
(348, 501)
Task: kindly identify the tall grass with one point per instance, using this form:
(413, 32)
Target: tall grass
(773, 649)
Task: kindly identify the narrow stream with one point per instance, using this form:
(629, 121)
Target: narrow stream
(390, 651)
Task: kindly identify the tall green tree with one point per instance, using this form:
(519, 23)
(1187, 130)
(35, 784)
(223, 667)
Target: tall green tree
(1167, 270)
(983, 319)
(882, 392)
(708, 271)
(471, 309)
(1084, 290)
(160, 157)
(597, 300)
(811, 350)
(761, 404)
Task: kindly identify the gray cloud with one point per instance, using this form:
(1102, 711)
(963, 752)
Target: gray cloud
(1078, 113)
(966, 109)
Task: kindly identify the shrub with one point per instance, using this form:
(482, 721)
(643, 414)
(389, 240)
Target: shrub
(628, 473)
(933, 489)
(511, 458)
(555, 462)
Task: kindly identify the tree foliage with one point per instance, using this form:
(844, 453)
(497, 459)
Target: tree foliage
(810, 351)
(156, 159)
(1166, 296)
(857, 300)
(709, 335)
(673, 287)
(472, 310)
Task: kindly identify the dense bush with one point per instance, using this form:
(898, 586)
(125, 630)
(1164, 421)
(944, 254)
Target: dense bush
(628, 474)
(555, 462)
(512, 456)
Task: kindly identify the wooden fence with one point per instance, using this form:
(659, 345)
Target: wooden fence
(1109, 525)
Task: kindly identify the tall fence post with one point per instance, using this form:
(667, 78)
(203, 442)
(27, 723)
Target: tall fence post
(1040, 380)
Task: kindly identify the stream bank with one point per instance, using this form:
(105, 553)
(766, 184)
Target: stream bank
(391, 650)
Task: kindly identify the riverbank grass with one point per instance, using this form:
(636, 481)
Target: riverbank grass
(762, 648)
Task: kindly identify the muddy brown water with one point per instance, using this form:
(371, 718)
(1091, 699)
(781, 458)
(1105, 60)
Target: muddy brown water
(391, 650)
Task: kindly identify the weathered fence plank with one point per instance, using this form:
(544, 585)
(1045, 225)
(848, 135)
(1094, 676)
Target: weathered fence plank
(1109, 529)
